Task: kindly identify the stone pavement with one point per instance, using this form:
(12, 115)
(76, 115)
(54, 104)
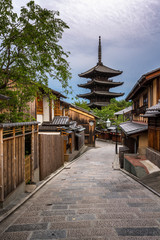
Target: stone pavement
(88, 200)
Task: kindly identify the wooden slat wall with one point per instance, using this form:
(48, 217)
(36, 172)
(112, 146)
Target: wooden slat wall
(12, 159)
(19, 160)
(13, 167)
(154, 133)
(51, 154)
(83, 119)
(35, 150)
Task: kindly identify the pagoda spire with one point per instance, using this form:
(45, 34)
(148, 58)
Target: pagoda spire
(99, 52)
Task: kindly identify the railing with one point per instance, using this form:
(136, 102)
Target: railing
(140, 110)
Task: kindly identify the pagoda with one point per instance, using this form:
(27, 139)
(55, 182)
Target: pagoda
(100, 83)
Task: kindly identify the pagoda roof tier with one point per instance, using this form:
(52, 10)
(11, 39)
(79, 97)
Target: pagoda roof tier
(100, 70)
(109, 83)
(98, 104)
(100, 93)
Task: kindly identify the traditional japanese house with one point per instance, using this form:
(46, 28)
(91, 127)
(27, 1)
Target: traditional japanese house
(125, 113)
(144, 94)
(100, 83)
(87, 120)
(153, 149)
(45, 109)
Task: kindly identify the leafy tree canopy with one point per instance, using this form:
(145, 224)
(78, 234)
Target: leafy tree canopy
(29, 54)
(82, 104)
(113, 107)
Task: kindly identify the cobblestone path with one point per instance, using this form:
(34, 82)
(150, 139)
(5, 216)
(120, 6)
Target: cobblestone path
(88, 200)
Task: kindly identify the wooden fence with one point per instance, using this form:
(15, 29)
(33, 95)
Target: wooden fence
(12, 155)
(87, 120)
(51, 153)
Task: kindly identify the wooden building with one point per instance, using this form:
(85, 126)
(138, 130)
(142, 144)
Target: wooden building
(153, 149)
(144, 94)
(87, 120)
(42, 108)
(100, 83)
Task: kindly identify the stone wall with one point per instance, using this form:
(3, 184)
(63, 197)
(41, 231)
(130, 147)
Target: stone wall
(153, 156)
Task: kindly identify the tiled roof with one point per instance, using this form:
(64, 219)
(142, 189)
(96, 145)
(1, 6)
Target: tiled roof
(100, 69)
(153, 111)
(100, 82)
(125, 110)
(98, 104)
(130, 128)
(103, 93)
(140, 82)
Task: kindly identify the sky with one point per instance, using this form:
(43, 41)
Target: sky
(130, 37)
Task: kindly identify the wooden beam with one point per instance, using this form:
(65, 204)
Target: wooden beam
(23, 152)
(32, 154)
(14, 158)
(81, 112)
(1, 167)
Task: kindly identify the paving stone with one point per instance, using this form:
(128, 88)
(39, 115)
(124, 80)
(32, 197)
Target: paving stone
(116, 216)
(79, 233)
(138, 231)
(55, 234)
(68, 225)
(89, 201)
(138, 238)
(50, 219)
(26, 220)
(57, 212)
(15, 236)
(59, 206)
(81, 217)
(125, 223)
(27, 227)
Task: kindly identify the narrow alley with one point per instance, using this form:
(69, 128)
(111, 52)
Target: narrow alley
(88, 200)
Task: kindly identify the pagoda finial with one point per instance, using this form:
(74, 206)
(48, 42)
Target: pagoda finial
(99, 52)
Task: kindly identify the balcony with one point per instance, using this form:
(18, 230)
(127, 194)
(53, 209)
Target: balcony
(139, 110)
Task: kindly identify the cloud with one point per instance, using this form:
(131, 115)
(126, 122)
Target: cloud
(130, 31)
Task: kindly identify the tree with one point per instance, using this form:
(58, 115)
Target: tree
(30, 54)
(108, 112)
(82, 104)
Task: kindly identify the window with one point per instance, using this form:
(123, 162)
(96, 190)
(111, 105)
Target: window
(136, 104)
(145, 100)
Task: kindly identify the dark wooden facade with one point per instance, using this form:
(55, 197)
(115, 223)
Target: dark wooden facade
(154, 133)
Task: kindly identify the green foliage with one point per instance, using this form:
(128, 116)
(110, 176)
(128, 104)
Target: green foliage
(113, 107)
(29, 55)
(82, 104)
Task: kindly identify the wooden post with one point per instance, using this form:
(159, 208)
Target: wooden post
(14, 158)
(37, 146)
(1, 167)
(32, 154)
(23, 153)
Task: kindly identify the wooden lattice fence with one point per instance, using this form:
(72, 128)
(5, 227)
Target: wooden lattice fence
(13, 147)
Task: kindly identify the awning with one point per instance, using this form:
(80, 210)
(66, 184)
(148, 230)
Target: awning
(153, 111)
(130, 128)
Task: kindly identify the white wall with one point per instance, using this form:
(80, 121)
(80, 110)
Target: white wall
(52, 109)
(39, 118)
(45, 109)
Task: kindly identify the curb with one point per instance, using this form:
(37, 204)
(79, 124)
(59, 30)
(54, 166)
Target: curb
(137, 180)
(8, 213)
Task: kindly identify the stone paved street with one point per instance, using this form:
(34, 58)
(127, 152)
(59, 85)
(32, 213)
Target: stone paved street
(88, 200)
